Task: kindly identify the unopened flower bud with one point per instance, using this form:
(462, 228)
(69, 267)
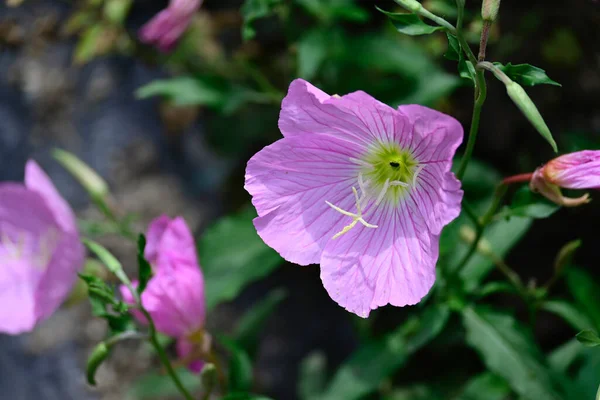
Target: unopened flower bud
(579, 170)
(489, 10)
(87, 177)
(411, 5)
(528, 108)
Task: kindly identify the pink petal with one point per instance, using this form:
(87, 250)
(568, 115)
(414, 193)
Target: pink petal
(290, 181)
(579, 170)
(394, 263)
(308, 110)
(436, 136)
(177, 246)
(37, 180)
(25, 220)
(184, 348)
(155, 231)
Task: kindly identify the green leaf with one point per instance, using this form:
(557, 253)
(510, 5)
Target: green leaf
(144, 268)
(466, 70)
(414, 392)
(410, 24)
(90, 44)
(96, 358)
(312, 376)
(528, 204)
(108, 259)
(240, 366)
(157, 385)
(561, 358)
(454, 50)
(253, 10)
(496, 287)
(251, 324)
(244, 396)
(183, 91)
(526, 75)
(586, 293)
(486, 386)
(569, 313)
(233, 256)
(375, 361)
(588, 338)
(509, 352)
(312, 51)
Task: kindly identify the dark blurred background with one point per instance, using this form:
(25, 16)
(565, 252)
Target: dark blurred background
(189, 160)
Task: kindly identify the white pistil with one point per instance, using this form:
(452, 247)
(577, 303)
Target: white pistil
(399, 183)
(384, 190)
(419, 169)
(361, 163)
(356, 217)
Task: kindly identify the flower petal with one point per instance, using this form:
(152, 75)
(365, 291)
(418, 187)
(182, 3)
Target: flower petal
(579, 170)
(357, 117)
(154, 233)
(37, 180)
(436, 136)
(395, 263)
(290, 181)
(177, 246)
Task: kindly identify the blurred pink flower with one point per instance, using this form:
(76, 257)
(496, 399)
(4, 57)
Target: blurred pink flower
(165, 28)
(579, 170)
(361, 188)
(40, 251)
(174, 296)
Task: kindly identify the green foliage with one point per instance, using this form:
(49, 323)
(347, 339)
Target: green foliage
(375, 361)
(588, 338)
(96, 358)
(144, 268)
(485, 386)
(526, 75)
(509, 351)
(251, 324)
(525, 203)
(312, 376)
(567, 311)
(253, 10)
(329, 11)
(233, 256)
(106, 305)
(157, 385)
(240, 366)
(410, 24)
(586, 293)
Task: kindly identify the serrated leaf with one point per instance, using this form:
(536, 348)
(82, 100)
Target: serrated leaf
(509, 352)
(586, 292)
(410, 24)
(375, 361)
(233, 256)
(253, 10)
(525, 203)
(248, 328)
(144, 268)
(454, 51)
(588, 338)
(526, 74)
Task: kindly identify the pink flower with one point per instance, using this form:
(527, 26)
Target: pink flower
(579, 170)
(361, 188)
(40, 251)
(168, 25)
(174, 297)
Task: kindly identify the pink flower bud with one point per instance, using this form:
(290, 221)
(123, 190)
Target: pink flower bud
(174, 297)
(579, 170)
(168, 25)
(40, 251)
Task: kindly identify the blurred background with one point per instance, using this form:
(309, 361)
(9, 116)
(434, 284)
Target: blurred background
(172, 132)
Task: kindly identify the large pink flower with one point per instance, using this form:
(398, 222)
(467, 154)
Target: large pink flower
(360, 188)
(168, 25)
(40, 251)
(174, 297)
(579, 170)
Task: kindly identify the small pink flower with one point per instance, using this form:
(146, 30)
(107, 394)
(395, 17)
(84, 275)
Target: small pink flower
(361, 188)
(168, 25)
(579, 170)
(174, 297)
(40, 251)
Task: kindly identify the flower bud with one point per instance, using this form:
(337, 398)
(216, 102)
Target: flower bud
(87, 177)
(411, 5)
(489, 10)
(528, 108)
(579, 170)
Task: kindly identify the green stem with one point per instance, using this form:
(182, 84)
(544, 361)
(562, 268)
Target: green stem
(164, 359)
